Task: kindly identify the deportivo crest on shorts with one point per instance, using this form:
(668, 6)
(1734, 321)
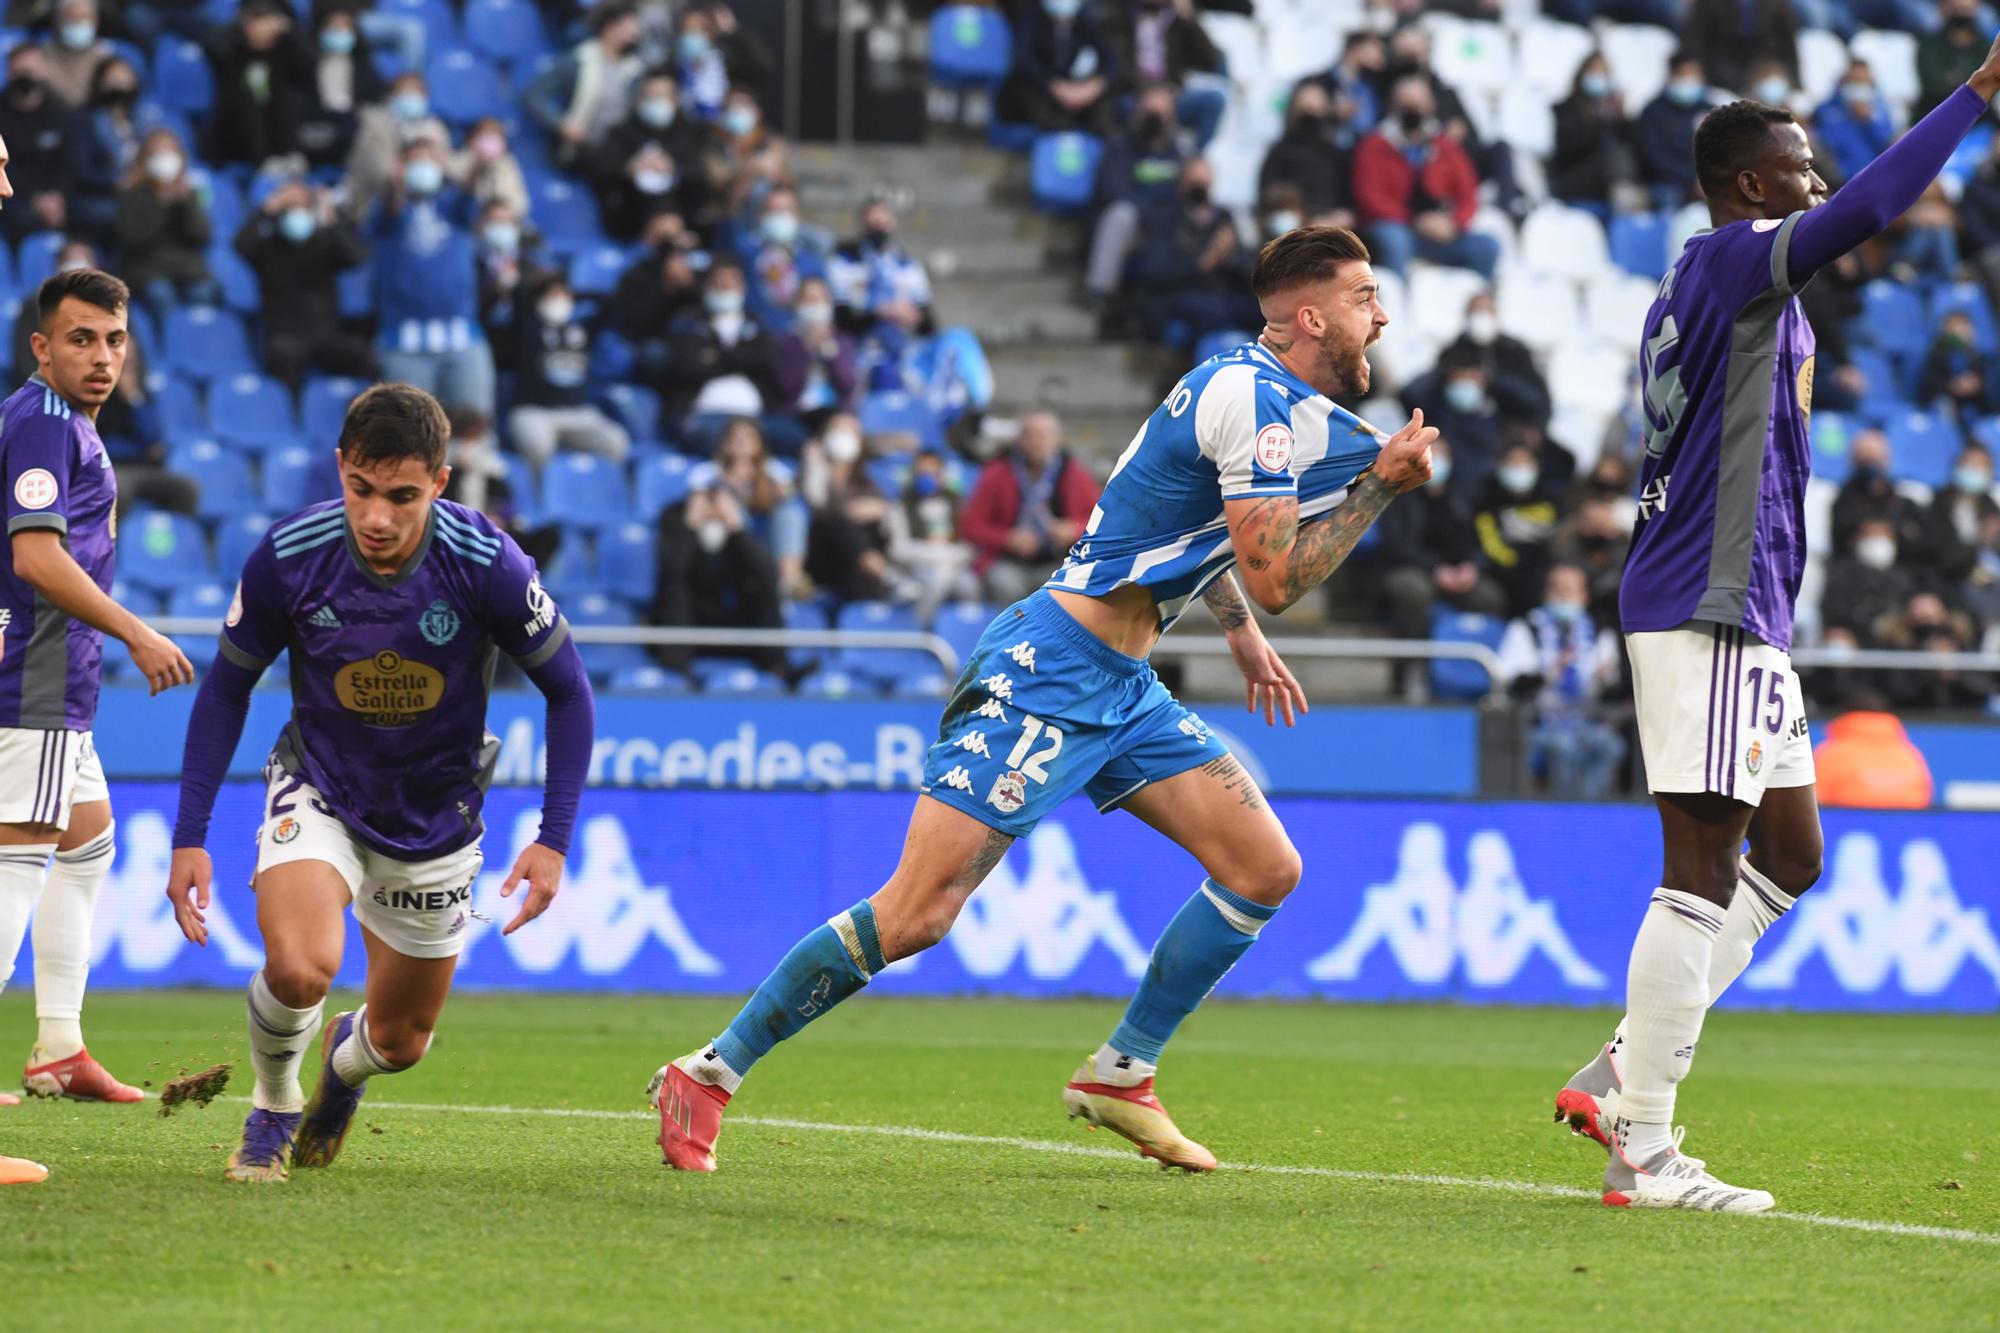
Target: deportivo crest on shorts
(1192, 725)
(1753, 758)
(439, 624)
(1010, 792)
(287, 829)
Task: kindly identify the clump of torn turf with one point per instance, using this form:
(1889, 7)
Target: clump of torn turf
(201, 1089)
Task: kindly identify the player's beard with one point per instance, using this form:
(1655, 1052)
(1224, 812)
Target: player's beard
(1346, 365)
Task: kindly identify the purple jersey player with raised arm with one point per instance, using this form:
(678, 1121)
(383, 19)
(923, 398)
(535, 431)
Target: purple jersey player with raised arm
(392, 605)
(1707, 603)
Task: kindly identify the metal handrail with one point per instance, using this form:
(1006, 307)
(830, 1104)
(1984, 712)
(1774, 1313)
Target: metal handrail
(1352, 649)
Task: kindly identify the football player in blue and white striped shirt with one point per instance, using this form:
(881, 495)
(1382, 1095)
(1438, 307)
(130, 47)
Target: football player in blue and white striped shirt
(1247, 463)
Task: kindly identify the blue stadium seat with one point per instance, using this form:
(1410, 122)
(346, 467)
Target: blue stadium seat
(139, 322)
(162, 551)
(932, 684)
(1892, 318)
(1639, 243)
(37, 258)
(662, 484)
(199, 649)
(627, 561)
(439, 20)
(1922, 446)
(1215, 344)
(178, 402)
(1967, 298)
(1832, 446)
(1062, 171)
(807, 615)
(893, 412)
(323, 404)
(142, 601)
(235, 539)
(650, 679)
(596, 269)
(252, 412)
(506, 30)
(1456, 678)
(1986, 430)
(729, 677)
(206, 342)
(8, 280)
(465, 88)
(612, 359)
(354, 291)
(238, 281)
(637, 407)
(182, 80)
(887, 665)
(960, 624)
(1889, 386)
(565, 211)
(971, 46)
(221, 475)
(226, 209)
(836, 684)
(603, 660)
(198, 600)
(585, 491)
(287, 478)
(521, 479)
(1011, 137)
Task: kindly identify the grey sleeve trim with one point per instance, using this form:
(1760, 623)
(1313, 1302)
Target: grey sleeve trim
(1781, 254)
(549, 645)
(46, 519)
(239, 657)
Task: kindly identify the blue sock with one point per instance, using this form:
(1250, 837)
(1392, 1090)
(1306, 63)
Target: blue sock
(1202, 942)
(822, 969)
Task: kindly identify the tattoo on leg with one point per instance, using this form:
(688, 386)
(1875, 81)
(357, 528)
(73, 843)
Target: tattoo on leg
(986, 858)
(1235, 779)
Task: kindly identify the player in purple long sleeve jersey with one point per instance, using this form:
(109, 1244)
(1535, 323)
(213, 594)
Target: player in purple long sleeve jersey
(392, 605)
(1707, 603)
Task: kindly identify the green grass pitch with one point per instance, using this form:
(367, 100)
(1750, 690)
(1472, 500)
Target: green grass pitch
(453, 1218)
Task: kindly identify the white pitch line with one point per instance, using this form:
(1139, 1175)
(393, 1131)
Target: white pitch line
(917, 1132)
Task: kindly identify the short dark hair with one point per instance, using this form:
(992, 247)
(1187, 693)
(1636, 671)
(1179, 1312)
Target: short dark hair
(1307, 254)
(608, 14)
(1732, 139)
(391, 422)
(90, 285)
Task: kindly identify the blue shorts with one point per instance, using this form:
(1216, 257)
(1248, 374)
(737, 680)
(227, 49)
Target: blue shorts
(1046, 709)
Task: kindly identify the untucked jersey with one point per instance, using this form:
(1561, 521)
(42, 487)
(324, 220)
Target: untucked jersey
(58, 479)
(1239, 425)
(1728, 368)
(390, 675)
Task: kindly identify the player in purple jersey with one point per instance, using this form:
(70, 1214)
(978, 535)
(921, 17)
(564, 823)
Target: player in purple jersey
(392, 606)
(55, 609)
(1707, 603)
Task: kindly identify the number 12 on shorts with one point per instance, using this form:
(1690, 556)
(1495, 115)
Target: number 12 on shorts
(1036, 765)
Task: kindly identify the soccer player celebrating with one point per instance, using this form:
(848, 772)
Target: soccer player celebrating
(1247, 463)
(1708, 599)
(392, 605)
(55, 609)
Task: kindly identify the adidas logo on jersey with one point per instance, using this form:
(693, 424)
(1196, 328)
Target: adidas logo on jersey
(1023, 654)
(975, 742)
(991, 708)
(324, 618)
(999, 686)
(958, 779)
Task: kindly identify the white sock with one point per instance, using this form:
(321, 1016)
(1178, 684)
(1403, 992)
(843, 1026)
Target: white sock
(279, 1036)
(1666, 997)
(22, 870)
(62, 945)
(1643, 1142)
(1115, 1069)
(1755, 909)
(709, 1067)
(356, 1060)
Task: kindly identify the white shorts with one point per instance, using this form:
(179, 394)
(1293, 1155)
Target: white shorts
(1719, 710)
(46, 774)
(418, 908)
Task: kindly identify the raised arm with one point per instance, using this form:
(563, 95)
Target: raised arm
(1282, 559)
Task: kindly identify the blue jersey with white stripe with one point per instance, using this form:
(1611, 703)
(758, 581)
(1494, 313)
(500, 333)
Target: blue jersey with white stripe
(1236, 426)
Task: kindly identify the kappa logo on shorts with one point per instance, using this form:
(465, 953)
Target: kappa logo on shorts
(974, 742)
(1023, 654)
(439, 624)
(1010, 792)
(1753, 758)
(286, 831)
(957, 779)
(999, 686)
(991, 708)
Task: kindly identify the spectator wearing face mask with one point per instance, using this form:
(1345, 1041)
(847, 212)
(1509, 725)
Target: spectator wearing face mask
(427, 286)
(552, 407)
(1139, 169)
(487, 169)
(658, 120)
(1556, 656)
(651, 183)
(1924, 624)
(163, 228)
(263, 78)
(1457, 397)
(1948, 55)
(1958, 521)
(1192, 266)
(1026, 510)
(1870, 493)
(1665, 133)
(1515, 520)
(1430, 558)
(1518, 389)
(876, 282)
(77, 50)
(1955, 372)
(1353, 84)
(926, 544)
(816, 363)
(1593, 155)
(344, 80)
(42, 134)
(1064, 72)
(1161, 41)
(1770, 82)
(116, 127)
(386, 132)
(583, 95)
(778, 258)
(1729, 36)
(1416, 190)
(659, 288)
(298, 245)
(1853, 125)
(511, 260)
(720, 360)
(1596, 538)
(1315, 155)
(713, 53)
(1864, 581)
(848, 544)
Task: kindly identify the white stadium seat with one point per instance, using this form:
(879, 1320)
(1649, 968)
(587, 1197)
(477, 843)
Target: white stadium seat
(1580, 432)
(1893, 58)
(1820, 496)
(1558, 239)
(1438, 298)
(1615, 307)
(1540, 310)
(1590, 377)
(1823, 58)
(1638, 55)
(1526, 120)
(1690, 219)
(1550, 53)
(1470, 56)
(1241, 42)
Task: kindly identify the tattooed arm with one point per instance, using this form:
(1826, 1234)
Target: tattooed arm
(1282, 559)
(1268, 683)
(1225, 598)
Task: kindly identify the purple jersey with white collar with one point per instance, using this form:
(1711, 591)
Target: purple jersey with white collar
(1728, 368)
(390, 676)
(58, 478)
